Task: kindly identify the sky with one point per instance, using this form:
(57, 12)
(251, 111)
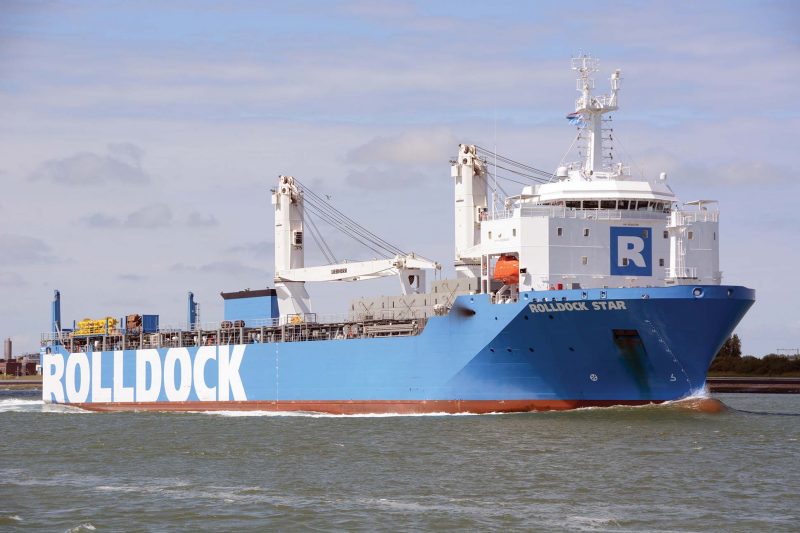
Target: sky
(139, 140)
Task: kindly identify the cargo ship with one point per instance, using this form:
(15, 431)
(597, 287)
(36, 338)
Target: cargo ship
(589, 287)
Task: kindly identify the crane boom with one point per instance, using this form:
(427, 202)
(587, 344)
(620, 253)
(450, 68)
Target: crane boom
(359, 270)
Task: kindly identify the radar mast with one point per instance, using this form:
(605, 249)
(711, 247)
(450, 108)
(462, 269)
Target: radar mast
(588, 115)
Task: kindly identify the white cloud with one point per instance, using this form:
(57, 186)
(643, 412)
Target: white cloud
(102, 220)
(122, 164)
(148, 217)
(382, 179)
(23, 250)
(136, 278)
(11, 279)
(151, 216)
(231, 268)
(202, 220)
(407, 148)
(255, 249)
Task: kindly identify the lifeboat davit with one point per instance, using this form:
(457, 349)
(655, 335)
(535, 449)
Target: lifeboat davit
(506, 270)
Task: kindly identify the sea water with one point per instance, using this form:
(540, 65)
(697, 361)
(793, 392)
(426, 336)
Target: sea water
(651, 468)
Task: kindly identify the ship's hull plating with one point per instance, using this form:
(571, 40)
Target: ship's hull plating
(550, 350)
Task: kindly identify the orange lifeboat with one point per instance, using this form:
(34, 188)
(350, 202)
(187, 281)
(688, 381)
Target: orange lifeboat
(507, 270)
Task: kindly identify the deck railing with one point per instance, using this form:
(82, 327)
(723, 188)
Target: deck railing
(556, 211)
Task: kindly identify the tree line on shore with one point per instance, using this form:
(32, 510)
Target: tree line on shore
(730, 361)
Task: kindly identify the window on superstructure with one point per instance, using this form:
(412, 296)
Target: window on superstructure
(645, 233)
(584, 260)
(715, 235)
(661, 262)
(585, 232)
(624, 261)
(514, 232)
(490, 234)
(666, 234)
(691, 235)
(559, 231)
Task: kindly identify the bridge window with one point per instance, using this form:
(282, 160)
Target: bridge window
(623, 204)
(573, 205)
(608, 204)
(590, 204)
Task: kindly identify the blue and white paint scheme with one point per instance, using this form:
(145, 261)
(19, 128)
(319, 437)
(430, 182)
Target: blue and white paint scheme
(550, 349)
(614, 297)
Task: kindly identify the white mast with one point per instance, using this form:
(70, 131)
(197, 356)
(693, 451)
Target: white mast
(591, 109)
(288, 200)
(470, 208)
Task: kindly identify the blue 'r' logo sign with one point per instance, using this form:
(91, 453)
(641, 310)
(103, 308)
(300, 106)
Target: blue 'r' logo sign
(631, 251)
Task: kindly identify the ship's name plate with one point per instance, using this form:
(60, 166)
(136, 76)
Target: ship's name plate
(555, 307)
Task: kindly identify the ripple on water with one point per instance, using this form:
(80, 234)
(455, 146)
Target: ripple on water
(655, 467)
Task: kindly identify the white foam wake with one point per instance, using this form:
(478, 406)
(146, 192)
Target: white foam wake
(16, 404)
(11, 405)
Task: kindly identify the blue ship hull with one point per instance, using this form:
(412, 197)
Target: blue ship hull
(549, 350)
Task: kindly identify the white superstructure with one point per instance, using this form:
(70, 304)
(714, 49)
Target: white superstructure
(591, 225)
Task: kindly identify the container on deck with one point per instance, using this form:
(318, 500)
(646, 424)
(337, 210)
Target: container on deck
(150, 323)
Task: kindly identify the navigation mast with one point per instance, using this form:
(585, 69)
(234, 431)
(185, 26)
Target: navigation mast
(590, 109)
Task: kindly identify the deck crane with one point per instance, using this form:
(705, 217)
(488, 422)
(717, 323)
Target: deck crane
(291, 274)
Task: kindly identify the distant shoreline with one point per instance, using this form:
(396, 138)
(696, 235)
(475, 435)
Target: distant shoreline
(751, 384)
(24, 383)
